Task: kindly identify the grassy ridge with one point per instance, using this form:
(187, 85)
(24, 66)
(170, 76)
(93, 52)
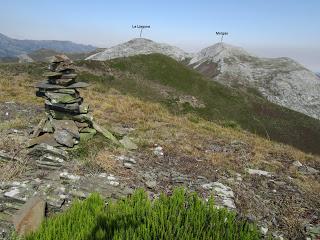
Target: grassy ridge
(180, 216)
(223, 104)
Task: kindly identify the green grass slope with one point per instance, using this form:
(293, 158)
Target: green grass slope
(146, 76)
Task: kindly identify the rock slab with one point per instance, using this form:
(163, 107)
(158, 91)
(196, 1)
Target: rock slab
(30, 216)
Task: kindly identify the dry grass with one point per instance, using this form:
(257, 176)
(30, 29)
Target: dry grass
(16, 123)
(12, 170)
(14, 148)
(155, 125)
(17, 88)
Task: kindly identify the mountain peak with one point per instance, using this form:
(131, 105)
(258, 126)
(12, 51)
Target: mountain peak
(138, 46)
(140, 40)
(218, 51)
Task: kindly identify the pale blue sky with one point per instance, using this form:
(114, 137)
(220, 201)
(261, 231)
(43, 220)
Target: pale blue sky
(266, 28)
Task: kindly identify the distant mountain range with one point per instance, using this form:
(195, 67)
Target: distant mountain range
(280, 80)
(10, 47)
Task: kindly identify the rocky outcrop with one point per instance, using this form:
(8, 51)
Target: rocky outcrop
(281, 80)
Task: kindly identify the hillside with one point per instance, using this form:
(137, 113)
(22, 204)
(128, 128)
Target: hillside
(164, 114)
(10, 47)
(280, 80)
(161, 79)
(44, 55)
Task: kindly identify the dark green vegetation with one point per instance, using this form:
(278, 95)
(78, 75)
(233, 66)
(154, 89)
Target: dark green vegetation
(148, 75)
(180, 216)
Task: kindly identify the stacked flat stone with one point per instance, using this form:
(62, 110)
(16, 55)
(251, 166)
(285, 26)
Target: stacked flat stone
(68, 119)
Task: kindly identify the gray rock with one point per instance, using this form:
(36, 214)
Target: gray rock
(128, 165)
(62, 81)
(83, 108)
(69, 176)
(113, 183)
(49, 161)
(30, 216)
(55, 201)
(67, 125)
(63, 137)
(52, 74)
(105, 133)
(56, 97)
(258, 172)
(67, 116)
(68, 108)
(68, 76)
(46, 138)
(297, 164)
(223, 194)
(48, 128)
(264, 230)
(151, 184)
(158, 151)
(47, 85)
(128, 144)
(130, 160)
(308, 170)
(41, 149)
(60, 58)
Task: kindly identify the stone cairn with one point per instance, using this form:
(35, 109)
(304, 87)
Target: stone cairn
(68, 120)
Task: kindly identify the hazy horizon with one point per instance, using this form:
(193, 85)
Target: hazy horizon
(266, 29)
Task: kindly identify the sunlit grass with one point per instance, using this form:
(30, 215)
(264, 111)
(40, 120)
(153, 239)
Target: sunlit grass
(180, 216)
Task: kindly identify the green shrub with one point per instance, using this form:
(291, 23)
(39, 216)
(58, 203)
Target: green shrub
(180, 216)
(76, 223)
